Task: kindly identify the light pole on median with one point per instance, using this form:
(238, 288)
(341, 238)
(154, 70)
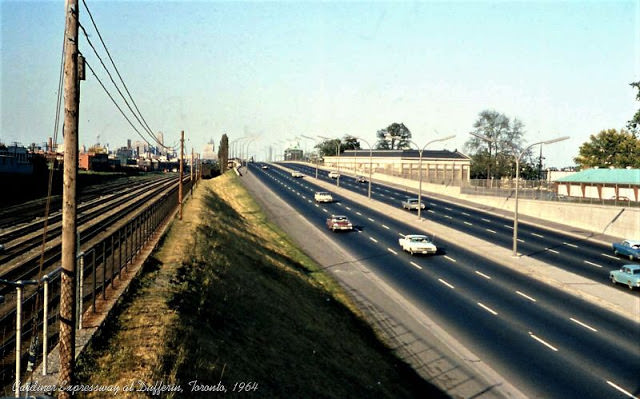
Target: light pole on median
(518, 157)
(337, 160)
(370, 163)
(311, 138)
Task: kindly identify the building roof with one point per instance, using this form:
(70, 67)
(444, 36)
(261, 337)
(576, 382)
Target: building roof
(405, 154)
(604, 176)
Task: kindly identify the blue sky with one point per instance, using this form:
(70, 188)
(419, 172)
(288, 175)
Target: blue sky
(282, 69)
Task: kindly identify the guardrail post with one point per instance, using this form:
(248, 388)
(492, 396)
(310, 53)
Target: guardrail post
(18, 338)
(45, 325)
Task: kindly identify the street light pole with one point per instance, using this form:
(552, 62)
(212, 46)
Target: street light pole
(370, 163)
(311, 138)
(518, 157)
(337, 160)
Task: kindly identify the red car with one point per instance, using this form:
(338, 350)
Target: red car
(339, 222)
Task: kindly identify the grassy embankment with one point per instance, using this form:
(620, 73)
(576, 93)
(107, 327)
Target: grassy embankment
(228, 298)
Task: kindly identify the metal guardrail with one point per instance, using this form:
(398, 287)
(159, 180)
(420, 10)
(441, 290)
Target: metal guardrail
(98, 266)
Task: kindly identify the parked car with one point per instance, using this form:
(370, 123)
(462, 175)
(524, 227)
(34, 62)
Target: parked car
(412, 203)
(323, 196)
(339, 222)
(417, 244)
(333, 174)
(628, 248)
(628, 274)
(295, 173)
(361, 179)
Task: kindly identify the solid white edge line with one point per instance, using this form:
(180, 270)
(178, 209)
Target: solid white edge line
(491, 231)
(548, 345)
(483, 275)
(451, 259)
(592, 264)
(416, 265)
(445, 283)
(526, 296)
(583, 324)
(488, 309)
(621, 390)
(373, 239)
(392, 251)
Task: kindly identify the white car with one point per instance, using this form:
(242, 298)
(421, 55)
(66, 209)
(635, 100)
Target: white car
(417, 244)
(333, 174)
(323, 196)
(295, 173)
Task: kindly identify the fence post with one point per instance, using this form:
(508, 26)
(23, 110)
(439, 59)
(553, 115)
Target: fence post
(104, 270)
(45, 325)
(95, 285)
(79, 307)
(113, 261)
(18, 338)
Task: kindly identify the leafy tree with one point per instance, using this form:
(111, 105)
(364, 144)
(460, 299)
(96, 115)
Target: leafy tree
(495, 158)
(223, 153)
(610, 148)
(395, 136)
(634, 124)
(330, 147)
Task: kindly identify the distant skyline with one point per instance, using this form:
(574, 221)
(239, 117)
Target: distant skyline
(277, 70)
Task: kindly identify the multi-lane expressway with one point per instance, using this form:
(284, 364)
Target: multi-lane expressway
(546, 342)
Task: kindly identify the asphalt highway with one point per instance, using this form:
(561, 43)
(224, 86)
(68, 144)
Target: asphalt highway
(544, 341)
(585, 258)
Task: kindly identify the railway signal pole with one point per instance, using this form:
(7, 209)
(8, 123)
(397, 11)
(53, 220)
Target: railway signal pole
(69, 206)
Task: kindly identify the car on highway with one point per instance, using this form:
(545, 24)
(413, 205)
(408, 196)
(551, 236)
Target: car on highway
(417, 244)
(264, 167)
(628, 248)
(628, 274)
(333, 174)
(296, 173)
(361, 179)
(323, 196)
(412, 203)
(339, 222)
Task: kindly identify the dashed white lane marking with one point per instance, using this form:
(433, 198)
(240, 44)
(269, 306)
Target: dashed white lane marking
(488, 309)
(551, 250)
(416, 265)
(537, 235)
(543, 342)
(583, 324)
(519, 240)
(465, 213)
(449, 209)
(445, 283)
(392, 251)
(386, 227)
(373, 239)
(570, 245)
(483, 275)
(317, 206)
(371, 220)
(485, 220)
(432, 204)
(491, 231)
(431, 210)
(507, 226)
(592, 264)
(401, 235)
(609, 256)
(448, 217)
(339, 204)
(468, 224)
(451, 259)
(358, 213)
(525, 296)
(324, 210)
(622, 390)
(348, 208)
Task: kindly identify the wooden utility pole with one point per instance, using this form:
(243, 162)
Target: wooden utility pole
(181, 170)
(69, 228)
